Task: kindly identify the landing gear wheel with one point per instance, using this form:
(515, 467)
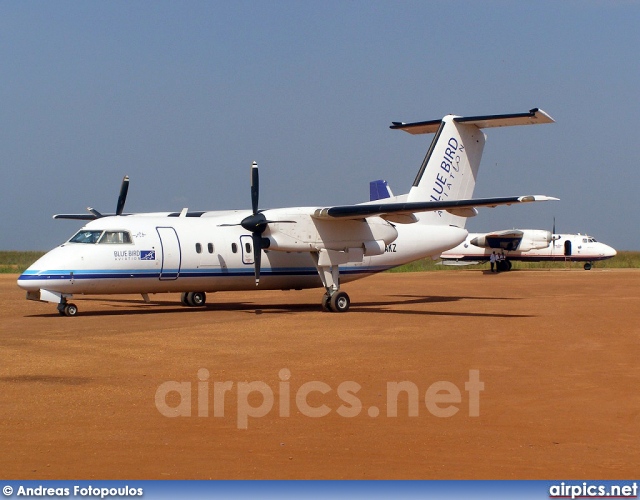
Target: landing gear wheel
(194, 299)
(198, 299)
(587, 266)
(339, 302)
(326, 299)
(508, 264)
(70, 310)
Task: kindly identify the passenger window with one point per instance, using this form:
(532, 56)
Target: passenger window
(198, 248)
(234, 248)
(247, 247)
(210, 247)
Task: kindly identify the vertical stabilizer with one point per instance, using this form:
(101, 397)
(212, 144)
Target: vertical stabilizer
(450, 167)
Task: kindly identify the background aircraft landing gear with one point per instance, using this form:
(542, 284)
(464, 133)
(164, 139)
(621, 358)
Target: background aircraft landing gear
(336, 301)
(193, 299)
(588, 266)
(503, 265)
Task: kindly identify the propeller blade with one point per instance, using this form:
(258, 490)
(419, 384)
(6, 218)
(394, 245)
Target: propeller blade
(255, 187)
(95, 212)
(257, 255)
(554, 226)
(124, 188)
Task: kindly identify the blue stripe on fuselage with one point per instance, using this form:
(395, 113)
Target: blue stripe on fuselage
(32, 275)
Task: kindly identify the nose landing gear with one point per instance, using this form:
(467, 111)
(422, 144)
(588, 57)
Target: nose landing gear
(67, 308)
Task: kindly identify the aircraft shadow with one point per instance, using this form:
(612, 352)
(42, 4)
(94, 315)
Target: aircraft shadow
(45, 379)
(132, 306)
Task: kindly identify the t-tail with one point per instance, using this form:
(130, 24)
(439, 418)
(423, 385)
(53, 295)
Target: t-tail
(450, 168)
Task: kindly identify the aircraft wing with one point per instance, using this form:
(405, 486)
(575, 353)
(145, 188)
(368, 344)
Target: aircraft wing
(89, 216)
(507, 234)
(384, 210)
(75, 216)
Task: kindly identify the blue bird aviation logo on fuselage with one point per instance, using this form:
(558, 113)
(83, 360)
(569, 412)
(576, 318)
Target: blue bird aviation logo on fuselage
(135, 255)
(147, 255)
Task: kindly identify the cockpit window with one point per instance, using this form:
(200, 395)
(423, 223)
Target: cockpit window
(86, 236)
(115, 237)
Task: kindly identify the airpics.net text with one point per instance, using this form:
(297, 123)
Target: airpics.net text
(257, 399)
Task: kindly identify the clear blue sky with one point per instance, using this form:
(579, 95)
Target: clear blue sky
(183, 96)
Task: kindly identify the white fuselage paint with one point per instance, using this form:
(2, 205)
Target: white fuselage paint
(163, 254)
(577, 247)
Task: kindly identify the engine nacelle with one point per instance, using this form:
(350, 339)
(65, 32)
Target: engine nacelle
(517, 239)
(308, 234)
(535, 239)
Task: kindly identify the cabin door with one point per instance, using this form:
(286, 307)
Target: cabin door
(567, 248)
(171, 255)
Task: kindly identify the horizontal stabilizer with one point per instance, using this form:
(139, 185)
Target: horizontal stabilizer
(533, 117)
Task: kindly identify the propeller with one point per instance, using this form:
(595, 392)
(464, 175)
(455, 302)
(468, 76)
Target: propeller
(122, 197)
(95, 214)
(256, 223)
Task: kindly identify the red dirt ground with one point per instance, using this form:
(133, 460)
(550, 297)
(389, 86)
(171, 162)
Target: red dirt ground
(557, 352)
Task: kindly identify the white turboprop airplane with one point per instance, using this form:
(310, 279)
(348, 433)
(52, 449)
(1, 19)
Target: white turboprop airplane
(531, 245)
(286, 248)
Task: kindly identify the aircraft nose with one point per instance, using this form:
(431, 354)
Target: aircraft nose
(610, 252)
(24, 280)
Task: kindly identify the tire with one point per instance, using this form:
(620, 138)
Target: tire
(326, 302)
(198, 299)
(340, 302)
(588, 266)
(183, 299)
(70, 310)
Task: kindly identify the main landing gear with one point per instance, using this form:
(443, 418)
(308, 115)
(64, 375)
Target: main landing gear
(334, 300)
(193, 299)
(503, 265)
